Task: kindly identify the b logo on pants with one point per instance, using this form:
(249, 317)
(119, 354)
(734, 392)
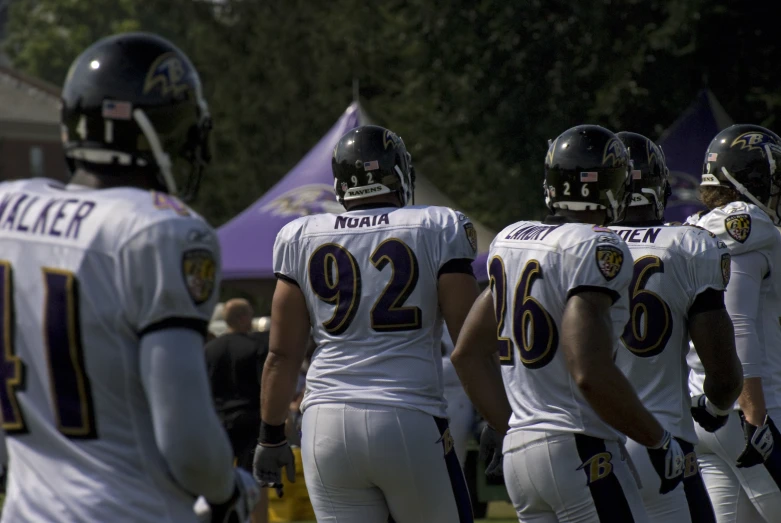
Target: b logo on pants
(599, 466)
(690, 465)
(447, 441)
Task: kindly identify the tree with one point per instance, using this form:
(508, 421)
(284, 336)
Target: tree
(475, 88)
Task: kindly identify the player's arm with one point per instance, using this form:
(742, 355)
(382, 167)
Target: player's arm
(742, 302)
(456, 284)
(168, 282)
(186, 428)
(477, 364)
(289, 337)
(710, 328)
(457, 292)
(587, 343)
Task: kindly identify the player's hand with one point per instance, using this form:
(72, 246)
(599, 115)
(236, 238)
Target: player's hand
(759, 442)
(238, 508)
(491, 452)
(707, 415)
(269, 459)
(668, 461)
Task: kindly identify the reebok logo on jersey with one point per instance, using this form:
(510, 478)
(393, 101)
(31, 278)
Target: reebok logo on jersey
(199, 270)
(726, 267)
(471, 235)
(738, 227)
(609, 261)
(199, 236)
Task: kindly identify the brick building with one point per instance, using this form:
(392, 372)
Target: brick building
(29, 128)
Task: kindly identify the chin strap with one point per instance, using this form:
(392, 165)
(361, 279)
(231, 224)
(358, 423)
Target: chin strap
(161, 157)
(745, 192)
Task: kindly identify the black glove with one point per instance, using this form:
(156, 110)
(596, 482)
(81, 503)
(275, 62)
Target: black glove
(272, 453)
(707, 415)
(668, 461)
(759, 442)
(237, 509)
(491, 452)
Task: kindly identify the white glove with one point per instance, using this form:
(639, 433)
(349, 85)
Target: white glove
(237, 509)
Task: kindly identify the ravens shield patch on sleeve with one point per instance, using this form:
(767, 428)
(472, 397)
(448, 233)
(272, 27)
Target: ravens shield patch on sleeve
(199, 269)
(726, 267)
(738, 227)
(471, 235)
(609, 260)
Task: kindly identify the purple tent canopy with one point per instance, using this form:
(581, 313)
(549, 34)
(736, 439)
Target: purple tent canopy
(247, 240)
(684, 144)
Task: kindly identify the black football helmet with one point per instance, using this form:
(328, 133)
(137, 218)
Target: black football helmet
(649, 173)
(132, 102)
(371, 160)
(746, 158)
(587, 168)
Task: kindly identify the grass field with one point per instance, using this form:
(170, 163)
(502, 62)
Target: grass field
(500, 513)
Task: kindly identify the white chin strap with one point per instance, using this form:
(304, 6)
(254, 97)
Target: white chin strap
(409, 196)
(161, 157)
(745, 192)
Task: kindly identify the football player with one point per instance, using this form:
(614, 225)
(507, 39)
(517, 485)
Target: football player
(555, 307)
(677, 291)
(106, 289)
(741, 461)
(374, 283)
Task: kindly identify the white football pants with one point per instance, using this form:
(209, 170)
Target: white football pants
(555, 477)
(688, 503)
(747, 495)
(363, 462)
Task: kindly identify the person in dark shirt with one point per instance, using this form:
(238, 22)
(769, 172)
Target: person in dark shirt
(235, 363)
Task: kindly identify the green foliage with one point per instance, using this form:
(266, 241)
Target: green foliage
(476, 88)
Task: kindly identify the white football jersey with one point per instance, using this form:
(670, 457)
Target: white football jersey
(672, 266)
(370, 280)
(533, 269)
(84, 273)
(744, 228)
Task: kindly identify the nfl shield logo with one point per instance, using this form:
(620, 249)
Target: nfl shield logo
(738, 227)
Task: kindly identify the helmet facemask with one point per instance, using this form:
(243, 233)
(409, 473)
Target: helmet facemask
(772, 206)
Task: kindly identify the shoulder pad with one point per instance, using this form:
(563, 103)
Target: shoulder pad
(292, 230)
(743, 227)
